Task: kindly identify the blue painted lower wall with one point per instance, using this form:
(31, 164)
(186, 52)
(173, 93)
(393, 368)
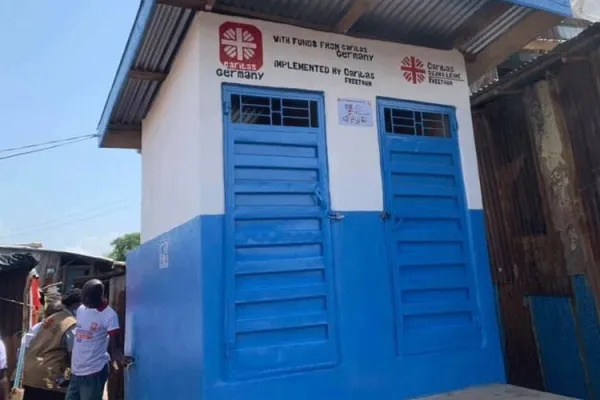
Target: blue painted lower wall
(176, 323)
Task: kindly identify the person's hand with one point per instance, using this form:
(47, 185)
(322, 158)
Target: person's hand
(127, 361)
(119, 360)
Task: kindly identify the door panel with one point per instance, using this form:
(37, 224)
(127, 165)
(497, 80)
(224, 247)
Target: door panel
(278, 253)
(426, 229)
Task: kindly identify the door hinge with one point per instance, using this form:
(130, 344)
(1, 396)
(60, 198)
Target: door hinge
(226, 108)
(385, 215)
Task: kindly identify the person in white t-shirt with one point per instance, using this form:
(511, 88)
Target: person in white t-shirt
(96, 322)
(4, 383)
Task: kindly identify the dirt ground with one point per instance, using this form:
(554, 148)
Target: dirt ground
(18, 395)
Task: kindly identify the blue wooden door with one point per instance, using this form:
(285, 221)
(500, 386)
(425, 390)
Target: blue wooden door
(279, 300)
(426, 227)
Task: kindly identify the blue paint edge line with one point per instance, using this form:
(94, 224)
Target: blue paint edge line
(132, 48)
(551, 6)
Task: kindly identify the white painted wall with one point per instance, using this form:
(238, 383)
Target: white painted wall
(183, 135)
(170, 145)
(354, 167)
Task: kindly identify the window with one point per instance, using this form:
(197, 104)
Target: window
(274, 111)
(416, 123)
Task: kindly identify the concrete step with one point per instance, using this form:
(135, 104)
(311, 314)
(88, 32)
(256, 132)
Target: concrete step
(496, 392)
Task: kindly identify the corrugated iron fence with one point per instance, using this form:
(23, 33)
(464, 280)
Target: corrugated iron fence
(538, 145)
(12, 287)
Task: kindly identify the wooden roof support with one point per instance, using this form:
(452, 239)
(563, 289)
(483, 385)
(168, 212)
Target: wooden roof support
(512, 41)
(541, 45)
(147, 75)
(357, 9)
(197, 5)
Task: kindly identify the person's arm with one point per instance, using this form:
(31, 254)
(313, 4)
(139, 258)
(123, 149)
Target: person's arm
(114, 338)
(68, 339)
(114, 348)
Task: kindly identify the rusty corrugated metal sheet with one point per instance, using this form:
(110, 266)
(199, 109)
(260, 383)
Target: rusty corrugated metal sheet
(525, 251)
(520, 348)
(572, 72)
(524, 248)
(577, 85)
(554, 106)
(12, 287)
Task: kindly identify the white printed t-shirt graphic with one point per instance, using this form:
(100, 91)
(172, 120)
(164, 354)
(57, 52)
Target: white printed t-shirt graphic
(3, 362)
(90, 348)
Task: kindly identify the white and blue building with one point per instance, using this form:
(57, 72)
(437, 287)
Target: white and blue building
(312, 218)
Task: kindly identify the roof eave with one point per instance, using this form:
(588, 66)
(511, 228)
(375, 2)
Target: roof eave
(132, 48)
(571, 50)
(124, 132)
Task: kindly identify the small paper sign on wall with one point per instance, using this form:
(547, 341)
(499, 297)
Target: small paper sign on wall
(163, 257)
(355, 112)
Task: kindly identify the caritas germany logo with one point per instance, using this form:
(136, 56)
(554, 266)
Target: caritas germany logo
(240, 46)
(413, 69)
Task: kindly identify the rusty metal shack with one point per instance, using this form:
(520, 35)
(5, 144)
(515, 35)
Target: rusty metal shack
(537, 133)
(52, 272)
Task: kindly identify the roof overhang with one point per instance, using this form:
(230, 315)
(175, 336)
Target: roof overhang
(485, 31)
(574, 50)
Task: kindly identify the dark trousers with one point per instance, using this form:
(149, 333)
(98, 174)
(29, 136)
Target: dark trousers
(30, 393)
(89, 387)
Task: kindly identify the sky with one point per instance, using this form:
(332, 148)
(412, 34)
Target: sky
(57, 63)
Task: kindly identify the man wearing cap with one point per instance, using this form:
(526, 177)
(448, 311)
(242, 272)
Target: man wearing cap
(96, 322)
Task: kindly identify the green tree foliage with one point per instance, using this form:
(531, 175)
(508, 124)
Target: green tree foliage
(123, 244)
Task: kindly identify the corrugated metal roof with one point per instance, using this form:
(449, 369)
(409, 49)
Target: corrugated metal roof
(159, 30)
(324, 13)
(503, 23)
(9, 249)
(431, 23)
(166, 29)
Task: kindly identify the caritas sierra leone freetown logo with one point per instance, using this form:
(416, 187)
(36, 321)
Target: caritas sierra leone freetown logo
(240, 46)
(413, 69)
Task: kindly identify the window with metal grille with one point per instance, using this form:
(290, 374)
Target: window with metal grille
(274, 111)
(416, 123)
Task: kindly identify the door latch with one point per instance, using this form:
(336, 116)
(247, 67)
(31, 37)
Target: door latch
(319, 197)
(335, 216)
